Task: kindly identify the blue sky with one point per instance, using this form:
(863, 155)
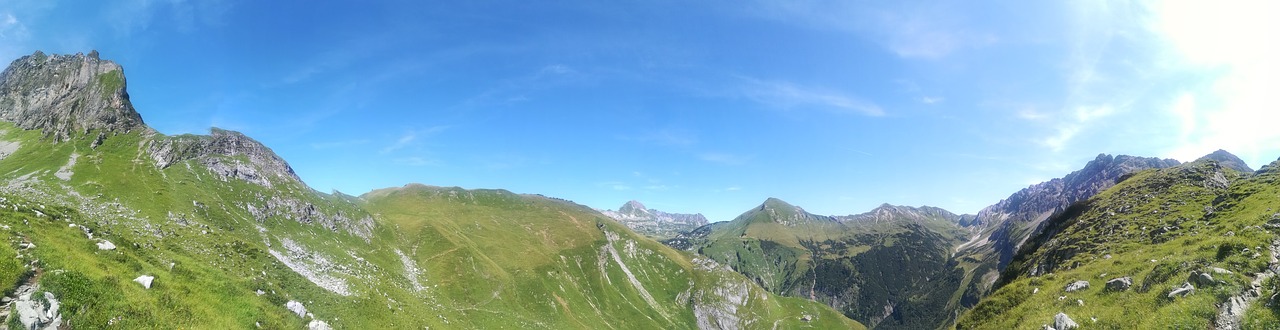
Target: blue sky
(706, 106)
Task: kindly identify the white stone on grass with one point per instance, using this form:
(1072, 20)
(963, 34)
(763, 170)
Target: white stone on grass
(145, 280)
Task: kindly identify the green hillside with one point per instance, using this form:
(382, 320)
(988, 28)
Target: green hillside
(889, 268)
(1202, 226)
(109, 225)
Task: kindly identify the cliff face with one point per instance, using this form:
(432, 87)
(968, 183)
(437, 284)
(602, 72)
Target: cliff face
(63, 95)
(224, 153)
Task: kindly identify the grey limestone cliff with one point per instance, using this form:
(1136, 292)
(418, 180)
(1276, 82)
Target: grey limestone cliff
(228, 154)
(63, 95)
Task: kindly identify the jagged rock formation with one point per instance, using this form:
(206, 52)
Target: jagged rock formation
(1228, 160)
(654, 223)
(1001, 229)
(228, 154)
(63, 95)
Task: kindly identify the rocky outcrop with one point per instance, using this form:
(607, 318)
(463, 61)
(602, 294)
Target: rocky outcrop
(1076, 286)
(308, 213)
(1228, 160)
(1182, 291)
(296, 308)
(65, 95)
(37, 310)
(227, 154)
(1119, 284)
(1028, 207)
(1003, 228)
(1064, 322)
(655, 223)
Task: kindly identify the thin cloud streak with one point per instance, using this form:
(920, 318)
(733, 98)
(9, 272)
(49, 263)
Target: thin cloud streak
(787, 96)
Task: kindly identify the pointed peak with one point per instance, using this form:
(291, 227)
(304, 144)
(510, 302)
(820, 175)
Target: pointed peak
(776, 203)
(1228, 160)
(634, 204)
(633, 208)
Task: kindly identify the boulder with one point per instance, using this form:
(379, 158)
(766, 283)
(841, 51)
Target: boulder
(1077, 286)
(1182, 291)
(106, 245)
(1064, 322)
(296, 308)
(318, 325)
(1202, 279)
(145, 280)
(1119, 284)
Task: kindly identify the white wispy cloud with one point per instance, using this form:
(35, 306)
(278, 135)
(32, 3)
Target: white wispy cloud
(523, 87)
(14, 37)
(129, 17)
(928, 30)
(787, 95)
(410, 137)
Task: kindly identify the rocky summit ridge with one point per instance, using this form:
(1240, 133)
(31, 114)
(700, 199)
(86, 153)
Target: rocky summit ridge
(63, 95)
(655, 223)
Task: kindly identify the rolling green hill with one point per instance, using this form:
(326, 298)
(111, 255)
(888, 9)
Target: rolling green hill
(109, 224)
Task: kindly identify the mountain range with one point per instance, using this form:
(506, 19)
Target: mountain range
(108, 223)
(654, 223)
(908, 267)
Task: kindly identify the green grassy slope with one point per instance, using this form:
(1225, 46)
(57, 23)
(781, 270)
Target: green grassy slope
(1158, 227)
(227, 253)
(500, 258)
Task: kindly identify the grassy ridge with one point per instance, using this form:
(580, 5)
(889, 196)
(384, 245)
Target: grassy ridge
(432, 257)
(1155, 227)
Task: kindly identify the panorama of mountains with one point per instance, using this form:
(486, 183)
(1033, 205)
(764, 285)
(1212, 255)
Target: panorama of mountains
(107, 223)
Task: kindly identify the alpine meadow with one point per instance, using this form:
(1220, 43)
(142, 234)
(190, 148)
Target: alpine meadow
(227, 164)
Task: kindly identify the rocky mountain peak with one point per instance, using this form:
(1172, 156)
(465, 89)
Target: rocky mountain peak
(63, 95)
(633, 208)
(653, 222)
(224, 152)
(891, 213)
(1228, 160)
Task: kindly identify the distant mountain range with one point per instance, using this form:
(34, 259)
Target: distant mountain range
(655, 223)
(860, 264)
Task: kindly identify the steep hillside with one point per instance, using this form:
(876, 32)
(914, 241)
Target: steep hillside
(1190, 247)
(502, 258)
(1000, 229)
(654, 223)
(890, 268)
(109, 224)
